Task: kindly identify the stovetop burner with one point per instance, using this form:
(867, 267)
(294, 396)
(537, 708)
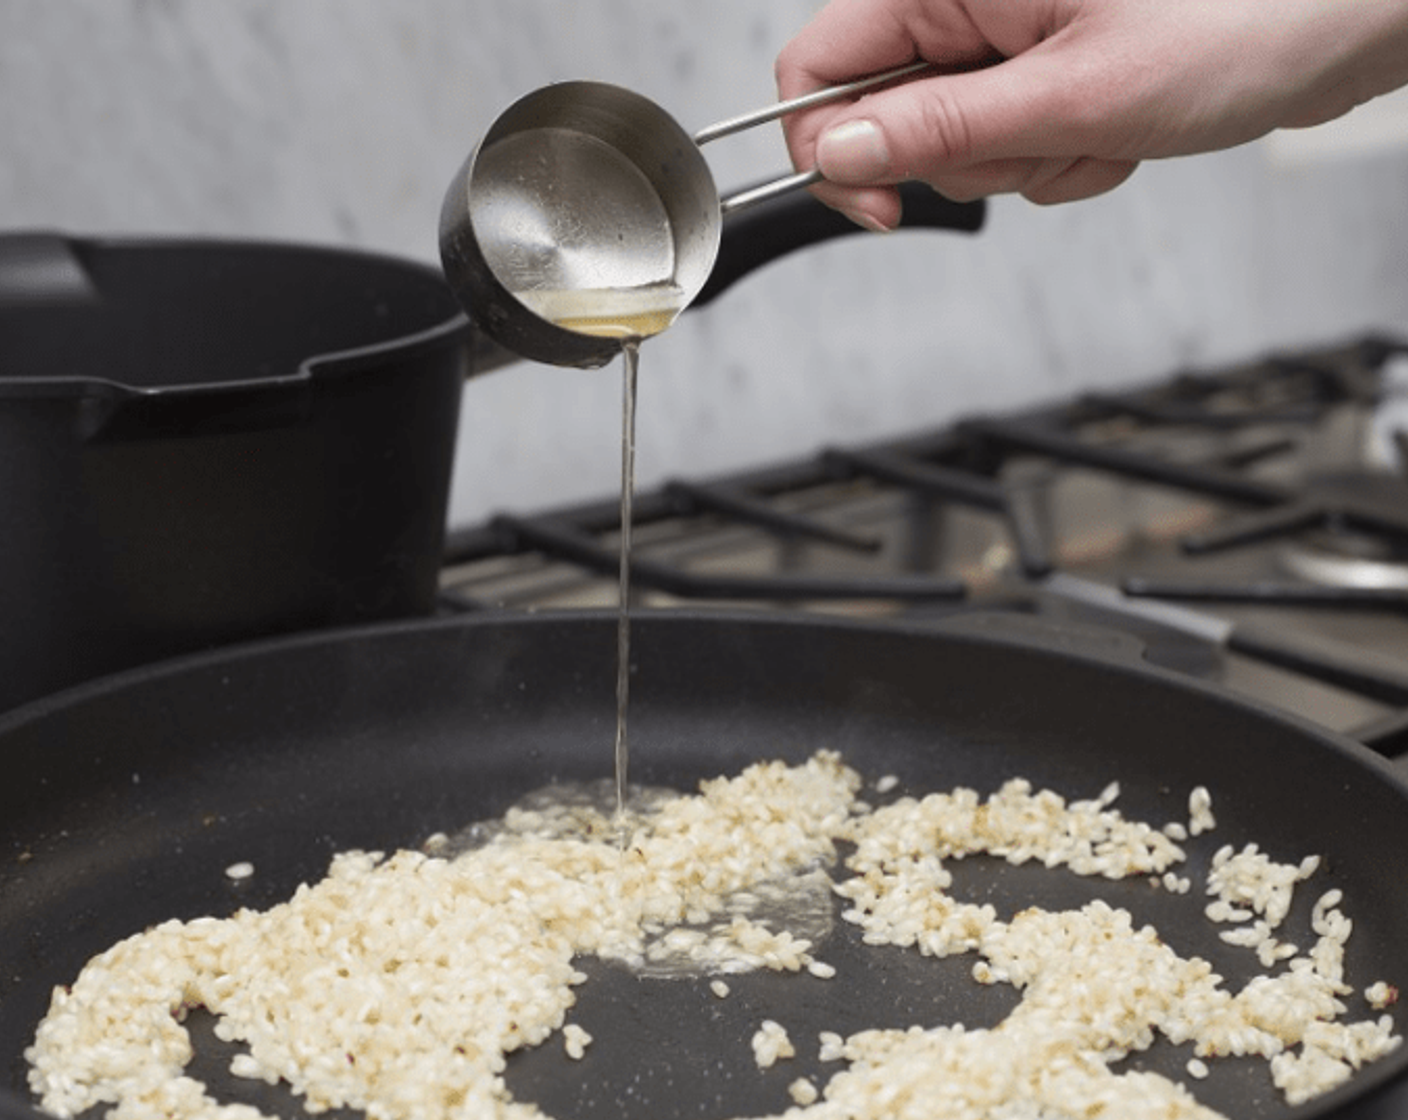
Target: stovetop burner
(1357, 532)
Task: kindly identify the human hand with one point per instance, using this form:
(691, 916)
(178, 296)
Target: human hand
(1060, 99)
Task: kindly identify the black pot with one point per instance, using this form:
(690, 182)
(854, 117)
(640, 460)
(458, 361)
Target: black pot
(206, 441)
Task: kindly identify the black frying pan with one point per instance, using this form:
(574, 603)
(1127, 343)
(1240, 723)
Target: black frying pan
(127, 799)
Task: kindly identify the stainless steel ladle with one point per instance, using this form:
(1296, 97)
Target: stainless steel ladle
(588, 215)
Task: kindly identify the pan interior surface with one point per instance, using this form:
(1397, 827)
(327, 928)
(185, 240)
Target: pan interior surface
(129, 800)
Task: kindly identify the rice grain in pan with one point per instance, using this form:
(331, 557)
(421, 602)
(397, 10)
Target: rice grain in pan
(373, 989)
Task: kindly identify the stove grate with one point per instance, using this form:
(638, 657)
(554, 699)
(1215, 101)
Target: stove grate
(979, 515)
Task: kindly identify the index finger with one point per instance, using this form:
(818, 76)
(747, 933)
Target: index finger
(851, 39)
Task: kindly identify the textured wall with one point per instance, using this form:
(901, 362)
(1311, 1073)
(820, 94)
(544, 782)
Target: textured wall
(341, 120)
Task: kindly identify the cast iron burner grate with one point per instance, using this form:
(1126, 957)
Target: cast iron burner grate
(1245, 469)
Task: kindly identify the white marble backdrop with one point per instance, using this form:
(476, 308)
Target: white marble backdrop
(340, 121)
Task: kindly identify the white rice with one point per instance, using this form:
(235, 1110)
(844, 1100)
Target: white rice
(1200, 815)
(575, 1041)
(1250, 882)
(803, 1091)
(398, 985)
(831, 1046)
(1380, 995)
(771, 1044)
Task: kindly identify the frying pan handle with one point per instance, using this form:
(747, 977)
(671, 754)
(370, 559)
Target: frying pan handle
(768, 230)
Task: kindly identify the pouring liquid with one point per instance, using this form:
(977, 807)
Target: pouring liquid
(800, 902)
(632, 315)
(630, 358)
(625, 313)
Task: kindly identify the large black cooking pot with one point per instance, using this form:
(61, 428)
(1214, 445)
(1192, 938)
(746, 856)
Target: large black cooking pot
(206, 441)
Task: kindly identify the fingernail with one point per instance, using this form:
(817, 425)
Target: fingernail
(853, 152)
(867, 221)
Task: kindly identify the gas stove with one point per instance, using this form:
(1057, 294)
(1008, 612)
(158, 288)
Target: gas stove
(1246, 524)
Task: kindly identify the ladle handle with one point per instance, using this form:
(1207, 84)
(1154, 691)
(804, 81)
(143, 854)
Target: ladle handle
(765, 191)
(806, 101)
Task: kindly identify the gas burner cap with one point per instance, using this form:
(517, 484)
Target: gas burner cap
(1328, 568)
(1365, 540)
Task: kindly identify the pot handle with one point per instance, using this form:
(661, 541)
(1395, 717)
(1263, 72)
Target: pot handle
(769, 230)
(764, 232)
(42, 268)
(47, 270)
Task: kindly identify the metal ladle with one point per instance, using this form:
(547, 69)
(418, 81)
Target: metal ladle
(588, 215)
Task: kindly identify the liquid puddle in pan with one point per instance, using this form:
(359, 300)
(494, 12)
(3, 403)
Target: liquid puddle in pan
(801, 904)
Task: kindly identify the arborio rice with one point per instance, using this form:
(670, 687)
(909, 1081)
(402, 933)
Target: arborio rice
(370, 989)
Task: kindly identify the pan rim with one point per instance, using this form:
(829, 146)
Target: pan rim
(1117, 657)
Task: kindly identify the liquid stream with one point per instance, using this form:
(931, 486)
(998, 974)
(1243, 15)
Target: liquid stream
(630, 314)
(630, 369)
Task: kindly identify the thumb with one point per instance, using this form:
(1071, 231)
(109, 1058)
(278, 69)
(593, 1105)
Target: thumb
(928, 127)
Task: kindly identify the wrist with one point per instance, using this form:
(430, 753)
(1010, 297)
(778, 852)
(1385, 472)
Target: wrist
(1347, 54)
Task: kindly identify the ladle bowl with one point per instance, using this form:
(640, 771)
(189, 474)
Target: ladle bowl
(585, 215)
(588, 215)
